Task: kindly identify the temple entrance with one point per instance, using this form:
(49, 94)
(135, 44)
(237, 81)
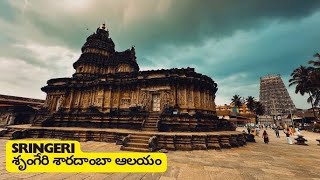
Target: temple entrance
(156, 102)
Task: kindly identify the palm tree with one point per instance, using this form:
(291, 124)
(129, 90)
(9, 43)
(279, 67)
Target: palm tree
(258, 108)
(237, 100)
(301, 77)
(250, 103)
(315, 78)
(315, 63)
(316, 97)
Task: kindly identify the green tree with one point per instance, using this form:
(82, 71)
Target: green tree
(258, 108)
(250, 103)
(315, 79)
(302, 78)
(315, 63)
(237, 100)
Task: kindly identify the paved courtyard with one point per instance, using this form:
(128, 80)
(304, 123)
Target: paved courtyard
(276, 160)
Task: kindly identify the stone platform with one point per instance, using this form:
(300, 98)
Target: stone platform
(133, 140)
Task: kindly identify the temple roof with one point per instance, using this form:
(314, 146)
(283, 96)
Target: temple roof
(100, 40)
(99, 49)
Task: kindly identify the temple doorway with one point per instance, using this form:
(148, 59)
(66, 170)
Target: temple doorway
(156, 102)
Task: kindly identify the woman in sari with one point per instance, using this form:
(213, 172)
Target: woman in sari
(265, 137)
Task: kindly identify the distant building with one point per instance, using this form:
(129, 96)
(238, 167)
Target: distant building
(306, 115)
(6, 100)
(274, 96)
(18, 110)
(242, 110)
(238, 115)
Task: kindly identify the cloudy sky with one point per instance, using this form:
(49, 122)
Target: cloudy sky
(234, 42)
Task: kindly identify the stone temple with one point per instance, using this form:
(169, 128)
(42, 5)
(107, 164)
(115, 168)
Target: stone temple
(274, 96)
(109, 99)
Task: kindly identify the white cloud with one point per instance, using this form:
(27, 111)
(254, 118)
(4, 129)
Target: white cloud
(50, 56)
(20, 77)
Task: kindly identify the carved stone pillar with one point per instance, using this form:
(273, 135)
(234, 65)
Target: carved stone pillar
(115, 99)
(201, 99)
(70, 99)
(79, 99)
(183, 99)
(50, 102)
(206, 99)
(106, 98)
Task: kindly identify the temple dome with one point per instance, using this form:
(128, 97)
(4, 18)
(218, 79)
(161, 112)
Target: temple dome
(99, 56)
(100, 41)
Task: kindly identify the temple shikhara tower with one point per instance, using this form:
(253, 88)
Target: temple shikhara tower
(109, 99)
(274, 96)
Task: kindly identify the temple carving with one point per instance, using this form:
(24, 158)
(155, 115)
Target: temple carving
(107, 90)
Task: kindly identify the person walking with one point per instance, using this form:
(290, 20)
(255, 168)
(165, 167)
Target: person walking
(249, 129)
(297, 131)
(291, 131)
(276, 130)
(265, 137)
(287, 132)
(257, 131)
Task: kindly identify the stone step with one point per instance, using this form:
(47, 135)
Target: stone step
(7, 135)
(155, 125)
(154, 115)
(123, 148)
(10, 131)
(150, 121)
(150, 129)
(150, 125)
(139, 137)
(144, 141)
(137, 145)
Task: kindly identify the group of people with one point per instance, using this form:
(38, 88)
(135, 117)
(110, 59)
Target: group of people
(289, 131)
(265, 135)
